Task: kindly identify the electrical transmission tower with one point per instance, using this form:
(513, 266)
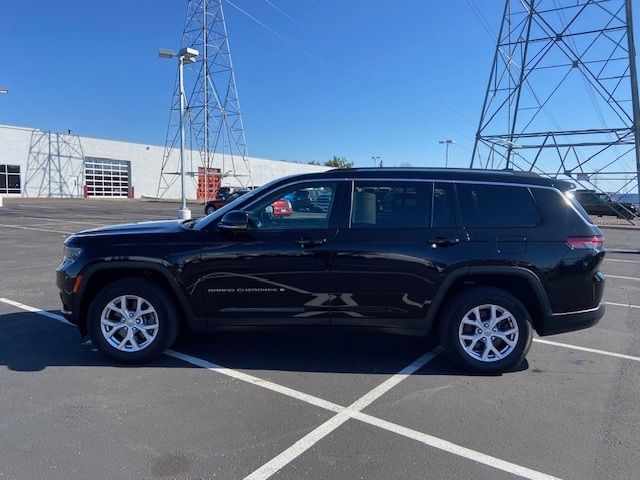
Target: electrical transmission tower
(562, 97)
(214, 135)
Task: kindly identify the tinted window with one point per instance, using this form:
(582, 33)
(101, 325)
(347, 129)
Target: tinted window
(571, 199)
(391, 205)
(485, 205)
(443, 209)
(295, 207)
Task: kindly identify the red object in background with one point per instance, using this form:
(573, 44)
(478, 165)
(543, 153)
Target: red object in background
(85, 191)
(208, 184)
(132, 192)
(282, 208)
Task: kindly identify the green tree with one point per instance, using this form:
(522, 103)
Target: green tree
(338, 162)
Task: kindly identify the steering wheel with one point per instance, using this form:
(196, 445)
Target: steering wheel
(260, 219)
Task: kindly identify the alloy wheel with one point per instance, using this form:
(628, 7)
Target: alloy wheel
(488, 333)
(129, 323)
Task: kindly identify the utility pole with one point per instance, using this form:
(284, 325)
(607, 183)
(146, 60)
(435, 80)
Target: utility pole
(213, 127)
(633, 76)
(551, 55)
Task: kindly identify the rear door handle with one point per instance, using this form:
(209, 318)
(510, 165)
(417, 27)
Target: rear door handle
(311, 242)
(443, 242)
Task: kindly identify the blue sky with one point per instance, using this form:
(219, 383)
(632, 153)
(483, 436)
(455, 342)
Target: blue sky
(369, 77)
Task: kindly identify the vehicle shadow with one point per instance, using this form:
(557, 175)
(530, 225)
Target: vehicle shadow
(31, 343)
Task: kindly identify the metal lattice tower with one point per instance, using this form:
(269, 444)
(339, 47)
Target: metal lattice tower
(213, 122)
(55, 166)
(562, 98)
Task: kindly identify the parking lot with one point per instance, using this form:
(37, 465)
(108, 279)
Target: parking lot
(294, 405)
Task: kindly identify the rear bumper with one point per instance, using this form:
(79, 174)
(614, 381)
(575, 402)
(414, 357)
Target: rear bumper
(570, 321)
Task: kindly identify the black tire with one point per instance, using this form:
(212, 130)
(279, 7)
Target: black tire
(462, 304)
(209, 209)
(167, 319)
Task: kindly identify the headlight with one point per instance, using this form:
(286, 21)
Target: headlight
(71, 253)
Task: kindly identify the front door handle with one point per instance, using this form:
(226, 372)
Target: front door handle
(442, 242)
(311, 242)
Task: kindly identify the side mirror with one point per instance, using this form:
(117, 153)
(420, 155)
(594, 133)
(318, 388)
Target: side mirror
(234, 221)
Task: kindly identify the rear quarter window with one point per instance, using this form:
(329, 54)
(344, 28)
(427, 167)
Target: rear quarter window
(488, 205)
(572, 200)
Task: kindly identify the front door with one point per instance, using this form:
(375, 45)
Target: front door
(402, 240)
(278, 271)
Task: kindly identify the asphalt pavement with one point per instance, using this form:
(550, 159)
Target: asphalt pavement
(300, 405)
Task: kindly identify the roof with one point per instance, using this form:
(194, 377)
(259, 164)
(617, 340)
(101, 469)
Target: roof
(461, 174)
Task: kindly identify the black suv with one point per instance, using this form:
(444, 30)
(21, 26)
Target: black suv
(483, 257)
(600, 204)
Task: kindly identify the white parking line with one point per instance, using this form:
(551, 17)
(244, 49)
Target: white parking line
(449, 447)
(33, 228)
(198, 362)
(343, 414)
(622, 305)
(620, 260)
(313, 437)
(58, 220)
(622, 278)
(585, 349)
(28, 308)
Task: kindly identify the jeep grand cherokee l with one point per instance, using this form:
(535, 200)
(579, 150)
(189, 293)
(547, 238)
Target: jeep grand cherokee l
(481, 257)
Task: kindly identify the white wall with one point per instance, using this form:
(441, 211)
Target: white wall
(51, 164)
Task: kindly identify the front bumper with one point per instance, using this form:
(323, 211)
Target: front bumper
(570, 321)
(65, 284)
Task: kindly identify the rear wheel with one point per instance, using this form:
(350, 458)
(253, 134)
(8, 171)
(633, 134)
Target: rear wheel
(132, 321)
(486, 329)
(209, 209)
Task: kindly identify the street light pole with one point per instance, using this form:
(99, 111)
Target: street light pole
(185, 55)
(3, 90)
(184, 213)
(376, 159)
(446, 155)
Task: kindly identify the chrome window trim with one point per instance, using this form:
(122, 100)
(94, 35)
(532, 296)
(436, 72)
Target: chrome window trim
(353, 179)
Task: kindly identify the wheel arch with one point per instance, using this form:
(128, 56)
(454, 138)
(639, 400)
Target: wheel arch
(521, 282)
(101, 274)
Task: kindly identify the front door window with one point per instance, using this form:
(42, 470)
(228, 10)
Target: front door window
(297, 207)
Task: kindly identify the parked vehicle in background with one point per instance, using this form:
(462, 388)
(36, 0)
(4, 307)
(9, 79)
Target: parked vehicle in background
(600, 204)
(226, 196)
(483, 258)
(281, 208)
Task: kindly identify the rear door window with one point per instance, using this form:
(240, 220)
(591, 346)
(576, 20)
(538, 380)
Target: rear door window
(443, 206)
(391, 205)
(489, 205)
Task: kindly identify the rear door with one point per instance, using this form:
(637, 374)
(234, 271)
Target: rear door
(400, 240)
(500, 221)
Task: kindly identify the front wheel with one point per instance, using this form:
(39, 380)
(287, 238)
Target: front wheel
(132, 321)
(486, 330)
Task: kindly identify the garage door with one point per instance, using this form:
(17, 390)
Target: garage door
(107, 178)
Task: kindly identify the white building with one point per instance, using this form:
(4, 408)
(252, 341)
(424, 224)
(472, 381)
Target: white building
(36, 163)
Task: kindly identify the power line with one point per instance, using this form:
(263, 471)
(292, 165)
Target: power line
(266, 27)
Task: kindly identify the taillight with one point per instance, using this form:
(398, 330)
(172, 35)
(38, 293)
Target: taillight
(586, 243)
